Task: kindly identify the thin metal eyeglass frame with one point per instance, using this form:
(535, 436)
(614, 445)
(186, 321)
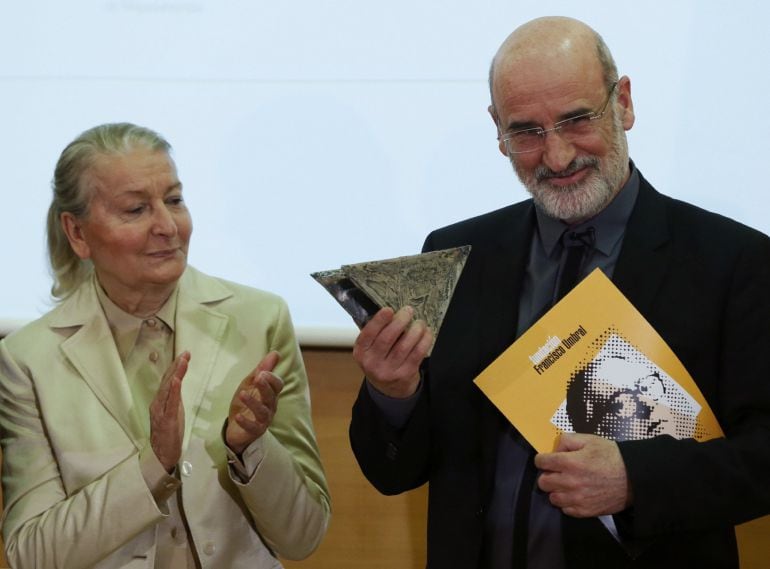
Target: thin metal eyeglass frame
(543, 132)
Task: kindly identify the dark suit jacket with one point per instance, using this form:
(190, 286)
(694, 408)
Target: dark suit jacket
(702, 281)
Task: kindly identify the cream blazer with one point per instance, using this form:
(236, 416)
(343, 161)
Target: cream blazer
(74, 493)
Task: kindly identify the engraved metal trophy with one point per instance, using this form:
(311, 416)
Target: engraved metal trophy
(425, 282)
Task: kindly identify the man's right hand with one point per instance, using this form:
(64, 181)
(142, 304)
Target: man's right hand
(389, 350)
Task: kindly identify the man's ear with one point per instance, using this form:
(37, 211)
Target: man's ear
(493, 114)
(73, 229)
(626, 103)
(496, 120)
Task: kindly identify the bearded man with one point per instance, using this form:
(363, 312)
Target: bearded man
(561, 113)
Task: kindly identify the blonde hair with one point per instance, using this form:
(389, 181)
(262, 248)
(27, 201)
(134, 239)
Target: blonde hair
(70, 194)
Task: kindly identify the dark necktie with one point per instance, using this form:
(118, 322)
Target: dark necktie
(577, 245)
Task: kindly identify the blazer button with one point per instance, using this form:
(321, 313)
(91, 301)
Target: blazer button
(186, 468)
(209, 548)
(391, 451)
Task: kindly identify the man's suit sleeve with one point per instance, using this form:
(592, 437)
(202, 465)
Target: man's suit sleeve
(393, 460)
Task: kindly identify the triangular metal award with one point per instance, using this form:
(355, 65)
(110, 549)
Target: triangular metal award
(425, 282)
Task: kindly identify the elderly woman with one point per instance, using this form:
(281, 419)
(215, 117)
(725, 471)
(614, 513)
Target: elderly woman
(157, 417)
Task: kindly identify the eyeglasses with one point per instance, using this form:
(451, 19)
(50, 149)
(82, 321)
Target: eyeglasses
(571, 129)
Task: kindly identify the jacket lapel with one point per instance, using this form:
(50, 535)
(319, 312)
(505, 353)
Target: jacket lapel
(644, 256)
(501, 279)
(92, 352)
(200, 329)
(502, 275)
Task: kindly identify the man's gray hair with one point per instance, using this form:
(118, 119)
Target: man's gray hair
(70, 194)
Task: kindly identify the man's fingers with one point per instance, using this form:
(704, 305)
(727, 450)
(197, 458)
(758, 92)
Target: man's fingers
(390, 349)
(572, 441)
(389, 330)
(550, 461)
(372, 329)
(397, 329)
(588, 478)
(410, 349)
(420, 350)
(555, 482)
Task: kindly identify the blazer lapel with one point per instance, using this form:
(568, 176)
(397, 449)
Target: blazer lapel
(644, 256)
(200, 329)
(92, 352)
(502, 274)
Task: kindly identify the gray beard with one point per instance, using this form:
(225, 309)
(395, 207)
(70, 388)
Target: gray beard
(578, 202)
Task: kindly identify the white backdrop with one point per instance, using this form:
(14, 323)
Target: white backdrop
(313, 133)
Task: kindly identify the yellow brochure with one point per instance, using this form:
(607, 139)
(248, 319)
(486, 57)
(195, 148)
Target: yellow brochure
(593, 364)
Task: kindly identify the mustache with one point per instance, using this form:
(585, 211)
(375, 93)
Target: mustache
(542, 173)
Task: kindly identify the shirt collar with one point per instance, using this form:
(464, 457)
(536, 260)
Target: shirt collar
(609, 224)
(125, 327)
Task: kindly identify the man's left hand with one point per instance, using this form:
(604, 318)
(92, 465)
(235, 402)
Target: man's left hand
(585, 476)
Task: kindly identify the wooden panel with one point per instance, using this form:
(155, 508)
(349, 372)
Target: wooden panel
(367, 529)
